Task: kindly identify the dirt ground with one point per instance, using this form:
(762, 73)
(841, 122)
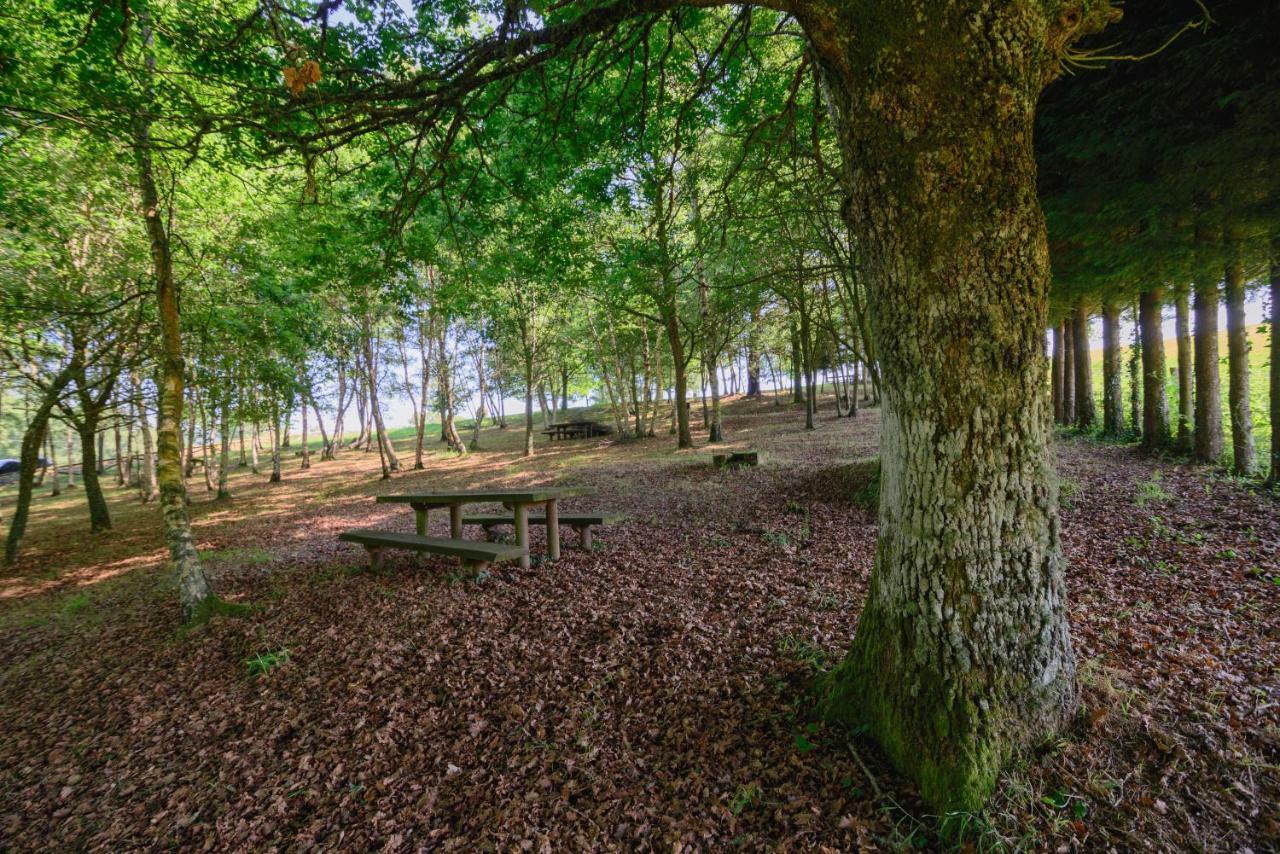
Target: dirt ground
(648, 693)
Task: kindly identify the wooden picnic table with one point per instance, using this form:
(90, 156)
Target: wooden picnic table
(573, 430)
(518, 500)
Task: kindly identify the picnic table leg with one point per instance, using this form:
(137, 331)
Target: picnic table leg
(420, 512)
(455, 521)
(553, 530)
(522, 533)
(584, 534)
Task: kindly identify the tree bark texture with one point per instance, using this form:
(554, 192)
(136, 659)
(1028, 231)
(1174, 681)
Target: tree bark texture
(1207, 436)
(1086, 412)
(962, 656)
(1182, 431)
(1112, 395)
(1243, 450)
(1155, 404)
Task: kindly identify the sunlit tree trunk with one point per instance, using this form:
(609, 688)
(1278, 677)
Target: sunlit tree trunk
(148, 488)
(224, 437)
(1182, 433)
(1207, 436)
(193, 586)
(962, 656)
(1243, 451)
(1155, 404)
(1135, 376)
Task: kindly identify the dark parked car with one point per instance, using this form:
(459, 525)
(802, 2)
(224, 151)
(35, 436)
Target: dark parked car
(12, 466)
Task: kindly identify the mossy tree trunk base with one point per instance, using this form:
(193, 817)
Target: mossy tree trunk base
(962, 656)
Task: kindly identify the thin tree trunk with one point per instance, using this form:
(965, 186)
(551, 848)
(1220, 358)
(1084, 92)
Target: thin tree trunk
(1273, 478)
(276, 474)
(1243, 451)
(148, 487)
(1112, 395)
(32, 438)
(193, 586)
(1068, 372)
(1155, 406)
(1086, 413)
(224, 436)
(1182, 437)
(99, 515)
(56, 488)
(1135, 376)
(1055, 373)
(1208, 438)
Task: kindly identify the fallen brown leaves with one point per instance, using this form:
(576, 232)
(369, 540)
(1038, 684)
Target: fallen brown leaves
(650, 694)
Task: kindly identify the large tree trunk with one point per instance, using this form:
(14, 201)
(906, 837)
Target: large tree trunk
(1182, 435)
(1243, 452)
(193, 586)
(1055, 373)
(1155, 404)
(962, 656)
(1086, 412)
(1112, 396)
(1208, 404)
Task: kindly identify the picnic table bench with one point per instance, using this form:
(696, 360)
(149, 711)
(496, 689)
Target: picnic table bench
(574, 430)
(474, 556)
(516, 500)
(580, 522)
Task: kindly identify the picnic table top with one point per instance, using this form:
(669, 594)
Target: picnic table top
(572, 423)
(465, 496)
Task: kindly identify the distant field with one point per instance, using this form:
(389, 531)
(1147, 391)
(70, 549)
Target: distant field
(1259, 368)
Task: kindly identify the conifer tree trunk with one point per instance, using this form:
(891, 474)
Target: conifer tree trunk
(1155, 405)
(1207, 436)
(1273, 477)
(1135, 377)
(1182, 433)
(1068, 372)
(1243, 451)
(1112, 397)
(962, 656)
(1086, 412)
(1055, 373)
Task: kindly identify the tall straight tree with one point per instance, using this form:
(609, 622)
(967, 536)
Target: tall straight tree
(1243, 450)
(1155, 405)
(1086, 411)
(1207, 436)
(1112, 396)
(1182, 309)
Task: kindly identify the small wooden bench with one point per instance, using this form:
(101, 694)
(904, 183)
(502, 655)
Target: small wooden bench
(473, 555)
(580, 522)
(736, 459)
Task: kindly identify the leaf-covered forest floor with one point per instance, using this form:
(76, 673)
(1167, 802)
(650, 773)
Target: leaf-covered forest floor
(649, 693)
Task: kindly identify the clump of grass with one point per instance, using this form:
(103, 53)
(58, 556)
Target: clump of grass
(744, 797)
(217, 607)
(1150, 491)
(794, 646)
(265, 662)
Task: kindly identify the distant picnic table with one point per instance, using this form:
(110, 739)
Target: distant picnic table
(516, 500)
(575, 430)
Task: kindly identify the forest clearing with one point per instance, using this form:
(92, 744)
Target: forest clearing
(650, 692)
